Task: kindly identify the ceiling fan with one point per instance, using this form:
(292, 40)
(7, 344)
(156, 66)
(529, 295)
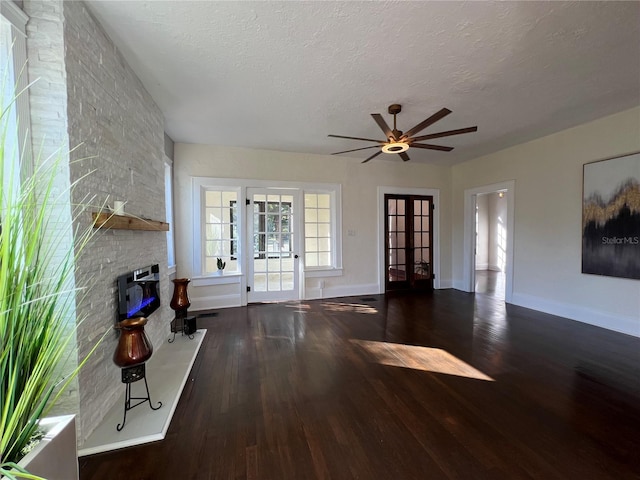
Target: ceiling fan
(399, 142)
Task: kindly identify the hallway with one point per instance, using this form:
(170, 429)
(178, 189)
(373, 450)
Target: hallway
(490, 282)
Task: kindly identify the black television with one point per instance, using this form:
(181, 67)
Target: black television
(138, 292)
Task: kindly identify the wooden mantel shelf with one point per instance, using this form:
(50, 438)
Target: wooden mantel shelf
(125, 222)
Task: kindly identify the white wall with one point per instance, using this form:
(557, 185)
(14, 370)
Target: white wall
(359, 213)
(482, 232)
(548, 213)
(497, 210)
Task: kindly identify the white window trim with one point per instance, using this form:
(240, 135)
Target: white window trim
(170, 218)
(15, 15)
(18, 20)
(201, 184)
(199, 190)
(207, 280)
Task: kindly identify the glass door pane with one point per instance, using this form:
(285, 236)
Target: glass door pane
(273, 271)
(422, 240)
(408, 254)
(396, 240)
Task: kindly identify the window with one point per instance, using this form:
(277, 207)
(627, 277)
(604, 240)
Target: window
(13, 78)
(273, 216)
(13, 59)
(220, 229)
(317, 230)
(233, 214)
(9, 124)
(168, 200)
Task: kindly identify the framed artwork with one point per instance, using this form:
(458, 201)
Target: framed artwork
(611, 217)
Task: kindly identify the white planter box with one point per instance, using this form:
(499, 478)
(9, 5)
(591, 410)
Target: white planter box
(55, 457)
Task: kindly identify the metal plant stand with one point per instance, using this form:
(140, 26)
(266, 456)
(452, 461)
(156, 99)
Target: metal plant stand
(130, 375)
(184, 324)
(180, 304)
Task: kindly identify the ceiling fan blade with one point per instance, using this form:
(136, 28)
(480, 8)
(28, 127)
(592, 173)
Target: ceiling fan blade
(425, 123)
(358, 138)
(372, 156)
(383, 126)
(356, 149)
(404, 156)
(431, 147)
(448, 133)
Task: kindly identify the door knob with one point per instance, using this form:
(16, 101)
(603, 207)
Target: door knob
(295, 256)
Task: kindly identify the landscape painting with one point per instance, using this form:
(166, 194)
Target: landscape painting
(611, 217)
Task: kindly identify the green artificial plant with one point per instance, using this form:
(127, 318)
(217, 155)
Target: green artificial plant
(37, 295)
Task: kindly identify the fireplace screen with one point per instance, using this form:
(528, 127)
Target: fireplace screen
(138, 293)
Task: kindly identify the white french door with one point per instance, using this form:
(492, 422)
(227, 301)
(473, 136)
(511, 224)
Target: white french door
(273, 244)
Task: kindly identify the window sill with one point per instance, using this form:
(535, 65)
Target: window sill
(329, 272)
(208, 280)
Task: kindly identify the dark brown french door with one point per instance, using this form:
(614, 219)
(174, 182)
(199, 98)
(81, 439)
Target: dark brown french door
(409, 240)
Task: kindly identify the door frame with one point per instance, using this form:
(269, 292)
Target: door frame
(427, 192)
(410, 283)
(296, 193)
(469, 257)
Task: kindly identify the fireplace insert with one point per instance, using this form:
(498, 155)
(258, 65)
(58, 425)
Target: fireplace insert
(138, 292)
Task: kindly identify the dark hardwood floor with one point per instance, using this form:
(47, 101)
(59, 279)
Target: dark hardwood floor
(443, 385)
(490, 282)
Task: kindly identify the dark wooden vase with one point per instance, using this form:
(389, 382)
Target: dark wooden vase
(134, 348)
(180, 300)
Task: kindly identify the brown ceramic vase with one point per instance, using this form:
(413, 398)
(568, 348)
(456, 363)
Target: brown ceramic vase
(133, 347)
(180, 300)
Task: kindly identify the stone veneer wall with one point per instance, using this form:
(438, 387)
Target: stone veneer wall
(48, 110)
(117, 124)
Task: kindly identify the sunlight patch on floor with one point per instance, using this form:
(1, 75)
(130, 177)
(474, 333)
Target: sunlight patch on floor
(349, 307)
(299, 307)
(428, 359)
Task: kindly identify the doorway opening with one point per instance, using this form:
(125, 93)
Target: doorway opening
(490, 245)
(488, 240)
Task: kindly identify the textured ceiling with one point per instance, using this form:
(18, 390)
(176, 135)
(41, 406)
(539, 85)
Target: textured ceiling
(283, 75)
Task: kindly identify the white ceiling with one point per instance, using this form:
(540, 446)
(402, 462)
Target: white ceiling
(283, 75)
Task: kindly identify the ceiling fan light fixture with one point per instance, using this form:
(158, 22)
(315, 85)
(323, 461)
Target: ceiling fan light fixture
(395, 147)
(398, 142)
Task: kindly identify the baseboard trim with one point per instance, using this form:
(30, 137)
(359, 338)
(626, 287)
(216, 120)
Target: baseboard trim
(313, 293)
(215, 301)
(459, 285)
(486, 266)
(233, 300)
(623, 324)
(350, 290)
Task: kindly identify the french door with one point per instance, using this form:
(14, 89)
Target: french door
(408, 242)
(273, 244)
